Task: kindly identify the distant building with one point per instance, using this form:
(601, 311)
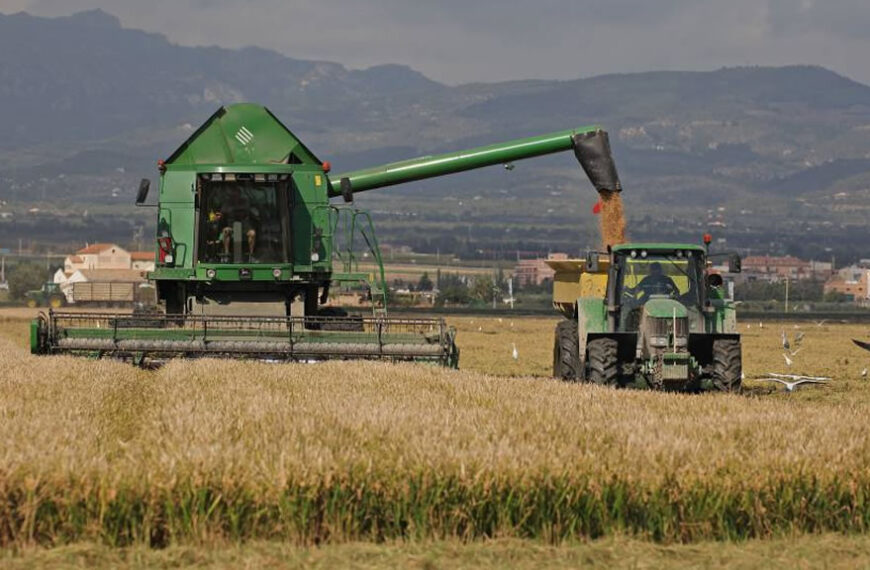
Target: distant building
(851, 272)
(779, 268)
(535, 271)
(855, 286)
(105, 257)
(142, 260)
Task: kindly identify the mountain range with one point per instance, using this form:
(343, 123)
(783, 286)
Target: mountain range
(87, 107)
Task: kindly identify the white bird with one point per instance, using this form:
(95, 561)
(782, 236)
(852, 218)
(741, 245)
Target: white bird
(798, 338)
(515, 353)
(795, 351)
(790, 386)
(760, 325)
(788, 361)
(785, 343)
(797, 376)
(864, 373)
(821, 322)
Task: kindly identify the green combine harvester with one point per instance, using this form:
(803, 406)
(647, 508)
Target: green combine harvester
(246, 221)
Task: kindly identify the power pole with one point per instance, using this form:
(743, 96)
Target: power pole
(494, 292)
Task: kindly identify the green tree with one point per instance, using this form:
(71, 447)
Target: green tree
(483, 289)
(425, 284)
(453, 291)
(24, 277)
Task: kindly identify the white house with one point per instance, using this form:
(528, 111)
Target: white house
(105, 256)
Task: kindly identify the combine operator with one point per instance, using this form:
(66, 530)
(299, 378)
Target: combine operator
(238, 215)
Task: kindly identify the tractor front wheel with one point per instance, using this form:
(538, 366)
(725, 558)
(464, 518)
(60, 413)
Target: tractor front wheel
(727, 365)
(602, 363)
(566, 359)
(32, 303)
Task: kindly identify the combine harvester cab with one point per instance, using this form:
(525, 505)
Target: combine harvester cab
(246, 240)
(647, 315)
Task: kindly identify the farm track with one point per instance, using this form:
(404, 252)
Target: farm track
(212, 451)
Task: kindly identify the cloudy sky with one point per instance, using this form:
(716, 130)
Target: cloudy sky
(457, 41)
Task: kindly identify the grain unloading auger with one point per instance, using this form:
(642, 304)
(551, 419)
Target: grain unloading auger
(244, 216)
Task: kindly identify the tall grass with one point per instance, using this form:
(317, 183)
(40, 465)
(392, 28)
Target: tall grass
(362, 451)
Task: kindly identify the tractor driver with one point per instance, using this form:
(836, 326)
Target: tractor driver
(237, 208)
(655, 283)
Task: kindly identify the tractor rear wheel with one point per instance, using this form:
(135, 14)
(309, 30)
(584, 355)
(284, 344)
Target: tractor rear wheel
(32, 303)
(602, 363)
(727, 365)
(566, 358)
(55, 302)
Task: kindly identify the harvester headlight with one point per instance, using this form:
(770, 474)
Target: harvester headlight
(210, 273)
(276, 273)
(168, 259)
(315, 256)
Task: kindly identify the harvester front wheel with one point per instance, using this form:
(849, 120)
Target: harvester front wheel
(727, 365)
(602, 362)
(566, 357)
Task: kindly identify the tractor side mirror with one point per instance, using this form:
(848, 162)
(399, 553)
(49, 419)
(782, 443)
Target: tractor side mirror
(735, 265)
(592, 261)
(714, 280)
(142, 194)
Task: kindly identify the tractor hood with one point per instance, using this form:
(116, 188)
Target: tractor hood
(663, 307)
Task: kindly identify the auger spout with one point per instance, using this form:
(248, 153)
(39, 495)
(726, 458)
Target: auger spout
(590, 144)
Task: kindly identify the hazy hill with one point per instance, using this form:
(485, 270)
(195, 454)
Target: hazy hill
(87, 106)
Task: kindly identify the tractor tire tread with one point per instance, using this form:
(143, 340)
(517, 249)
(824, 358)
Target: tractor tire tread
(566, 358)
(727, 365)
(603, 362)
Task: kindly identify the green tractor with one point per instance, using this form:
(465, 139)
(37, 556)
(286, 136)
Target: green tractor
(646, 315)
(49, 295)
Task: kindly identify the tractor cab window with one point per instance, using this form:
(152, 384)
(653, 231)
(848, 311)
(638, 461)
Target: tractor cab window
(675, 275)
(243, 221)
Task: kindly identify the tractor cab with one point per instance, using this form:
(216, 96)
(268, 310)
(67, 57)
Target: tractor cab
(658, 281)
